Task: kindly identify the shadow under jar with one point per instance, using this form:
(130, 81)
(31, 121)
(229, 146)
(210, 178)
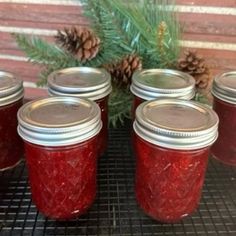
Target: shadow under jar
(171, 141)
(60, 136)
(85, 82)
(11, 99)
(224, 93)
(161, 83)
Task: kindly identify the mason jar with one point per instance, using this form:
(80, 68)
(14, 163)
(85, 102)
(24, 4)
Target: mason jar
(224, 93)
(172, 138)
(60, 136)
(11, 99)
(161, 83)
(85, 82)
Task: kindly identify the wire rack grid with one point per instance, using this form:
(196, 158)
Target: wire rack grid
(115, 211)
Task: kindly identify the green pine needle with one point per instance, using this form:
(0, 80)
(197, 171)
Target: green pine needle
(40, 51)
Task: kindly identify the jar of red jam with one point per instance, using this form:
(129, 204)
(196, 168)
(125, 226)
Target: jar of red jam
(85, 82)
(161, 83)
(224, 93)
(11, 99)
(60, 136)
(171, 141)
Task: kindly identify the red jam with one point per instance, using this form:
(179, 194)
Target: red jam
(172, 139)
(224, 148)
(11, 145)
(63, 179)
(61, 139)
(103, 136)
(168, 182)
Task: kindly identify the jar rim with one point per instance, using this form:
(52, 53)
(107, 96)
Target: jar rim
(87, 82)
(224, 87)
(176, 124)
(162, 83)
(11, 88)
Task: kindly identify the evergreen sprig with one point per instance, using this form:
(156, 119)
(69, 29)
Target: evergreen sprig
(147, 28)
(40, 51)
(133, 27)
(119, 106)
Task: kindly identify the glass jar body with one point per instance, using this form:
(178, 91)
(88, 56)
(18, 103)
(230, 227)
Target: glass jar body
(168, 182)
(103, 135)
(11, 145)
(224, 149)
(63, 179)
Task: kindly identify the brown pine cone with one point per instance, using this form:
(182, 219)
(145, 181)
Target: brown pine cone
(195, 65)
(122, 71)
(202, 81)
(79, 41)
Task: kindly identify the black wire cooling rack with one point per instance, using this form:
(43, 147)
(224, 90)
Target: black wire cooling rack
(115, 211)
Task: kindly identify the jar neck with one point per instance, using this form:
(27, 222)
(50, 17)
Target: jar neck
(216, 99)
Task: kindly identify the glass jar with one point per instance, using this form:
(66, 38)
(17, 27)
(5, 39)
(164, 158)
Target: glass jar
(85, 82)
(11, 99)
(224, 93)
(60, 135)
(161, 83)
(171, 141)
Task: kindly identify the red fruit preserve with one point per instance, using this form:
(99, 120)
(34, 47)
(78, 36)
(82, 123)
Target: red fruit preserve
(11, 99)
(171, 141)
(224, 93)
(61, 135)
(161, 83)
(85, 82)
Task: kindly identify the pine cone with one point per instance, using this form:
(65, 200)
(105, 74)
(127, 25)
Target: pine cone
(195, 65)
(122, 71)
(80, 42)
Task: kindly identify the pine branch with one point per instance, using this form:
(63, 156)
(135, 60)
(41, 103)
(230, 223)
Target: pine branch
(40, 51)
(109, 27)
(124, 28)
(119, 106)
(52, 57)
(132, 27)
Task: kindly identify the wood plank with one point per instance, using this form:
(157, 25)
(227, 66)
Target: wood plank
(40, 13)
(213, 3)
(209, 38)
(42, 25)
(208, 24)
(34, 93)
(228, 3)
(24, 70)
